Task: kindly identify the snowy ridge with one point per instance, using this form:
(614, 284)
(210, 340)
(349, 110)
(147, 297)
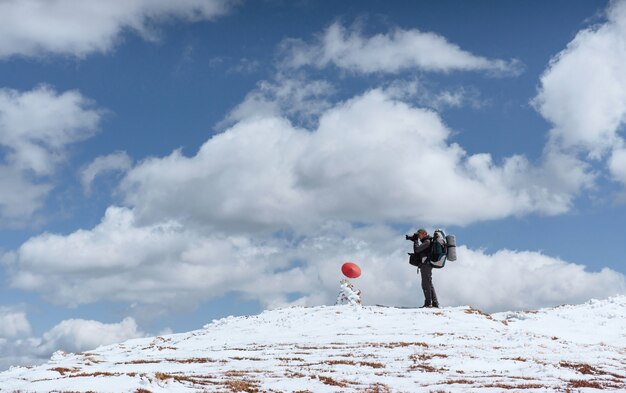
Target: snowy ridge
(358, 349)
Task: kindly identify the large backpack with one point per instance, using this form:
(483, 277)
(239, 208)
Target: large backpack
(437, 255)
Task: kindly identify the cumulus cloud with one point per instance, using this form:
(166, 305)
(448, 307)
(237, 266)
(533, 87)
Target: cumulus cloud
(617, 165)
(76, 335)
(20, 195)
(371, 159)
(294, 97)
(36, 127)
(178, 267)
(198, 227)
(504, 280)
(583, 92)
(81, 27)
(72, 335)
(165, 263)
(266, 210)
(13, 323)
(398, 50)
(115, 162)
(512, 280)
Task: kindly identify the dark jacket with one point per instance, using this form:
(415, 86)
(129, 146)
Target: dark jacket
(422, 250)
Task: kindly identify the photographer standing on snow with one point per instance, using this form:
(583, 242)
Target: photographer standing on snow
(421, 250)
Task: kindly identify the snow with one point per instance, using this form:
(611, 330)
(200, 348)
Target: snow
(352, 348)
(348, 294)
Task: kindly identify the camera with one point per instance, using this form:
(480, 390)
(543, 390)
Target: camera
(412, 237)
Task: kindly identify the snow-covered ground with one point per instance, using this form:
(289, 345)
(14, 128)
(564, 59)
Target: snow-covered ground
(358, 349)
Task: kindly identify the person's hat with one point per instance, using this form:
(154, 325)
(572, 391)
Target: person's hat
(422, 230)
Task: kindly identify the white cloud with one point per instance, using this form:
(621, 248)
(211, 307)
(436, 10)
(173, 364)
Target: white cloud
(393, 52)
(80, 27)
(583, 90)
(178, 267)
(13, 323)
(198, 227)
(617, 165)
(164, 264)
(510, 280)
(371, 159)
(77, 335)
(72, 335)
(295, 97)
(505, 280)
(115, 162)
(36, 127)
(20, 196)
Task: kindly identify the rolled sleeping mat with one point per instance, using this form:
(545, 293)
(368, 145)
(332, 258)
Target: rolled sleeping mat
(451, 249)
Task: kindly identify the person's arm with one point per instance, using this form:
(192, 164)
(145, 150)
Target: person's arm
(422, 247)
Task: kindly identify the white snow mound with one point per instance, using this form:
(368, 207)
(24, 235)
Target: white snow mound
(358, 349)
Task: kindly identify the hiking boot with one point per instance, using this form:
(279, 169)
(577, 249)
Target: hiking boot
(426, 306)
(435, 305)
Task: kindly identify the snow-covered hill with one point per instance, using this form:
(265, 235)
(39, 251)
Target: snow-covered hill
(358, 349)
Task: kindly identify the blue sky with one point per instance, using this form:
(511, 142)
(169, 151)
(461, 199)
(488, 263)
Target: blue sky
(167, 163)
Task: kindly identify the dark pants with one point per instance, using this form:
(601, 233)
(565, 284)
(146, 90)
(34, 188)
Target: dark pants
(430, 297)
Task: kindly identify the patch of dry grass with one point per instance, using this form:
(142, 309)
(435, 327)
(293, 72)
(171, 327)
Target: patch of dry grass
(63, 370)
(353, 363)
(310, 347)
(294, 374)
(162, 348)
(399, 344)
(476, 311)
(95, 374)
(332, 382)
(511, 387)
(587, 369)
(192, 360)
(241, 386)
(582, 368)
(459, 381)
(235, 373)
(286, 359)
(426, 356)
(92, 359)
(581, 383)
(141, 362)
(425, 368)
(376, 388)
(179, 378)
(244, 358)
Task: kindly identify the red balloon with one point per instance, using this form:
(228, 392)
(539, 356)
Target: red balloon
(351, 270)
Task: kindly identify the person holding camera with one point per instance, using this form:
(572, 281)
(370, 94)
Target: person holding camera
(421, 249)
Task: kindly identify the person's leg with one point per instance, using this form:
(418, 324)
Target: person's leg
(427, 284)
(433, 295)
